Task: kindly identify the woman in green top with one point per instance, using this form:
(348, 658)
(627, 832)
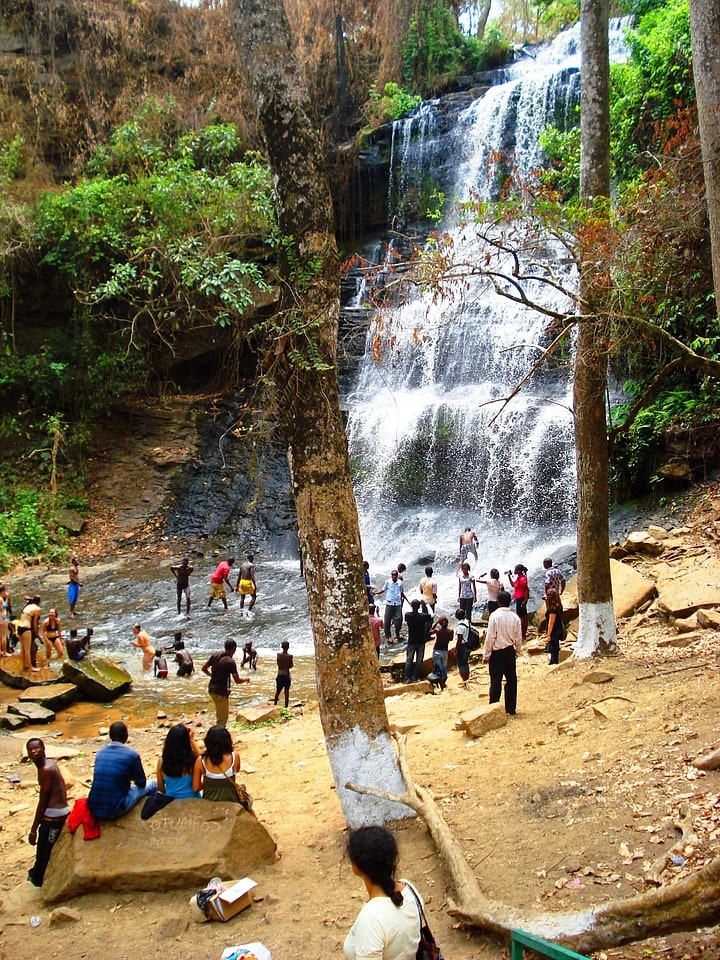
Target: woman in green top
(214, 771)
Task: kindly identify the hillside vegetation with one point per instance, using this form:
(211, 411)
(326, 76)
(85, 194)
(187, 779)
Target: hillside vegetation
(138, 240)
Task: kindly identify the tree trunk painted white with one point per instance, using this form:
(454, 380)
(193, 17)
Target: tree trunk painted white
(597, 634)
(705, 30)
(299, 353)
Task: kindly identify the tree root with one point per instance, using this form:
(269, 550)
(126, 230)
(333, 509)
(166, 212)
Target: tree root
(684, 825)
(683, 905)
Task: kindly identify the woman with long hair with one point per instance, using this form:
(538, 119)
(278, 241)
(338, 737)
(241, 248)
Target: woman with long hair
(388, 925)
(555, 632)
(52, 635)
(175, 766)
(214, 770)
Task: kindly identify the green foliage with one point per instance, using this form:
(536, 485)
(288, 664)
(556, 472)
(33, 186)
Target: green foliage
(436, 51)
(22, 533)
(637, 450)
(167, 232)
(394, 102)
(557, 15)
(651, 86)
(12, 158)
(562, 151)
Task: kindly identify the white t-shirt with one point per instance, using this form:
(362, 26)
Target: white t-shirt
(383, 931)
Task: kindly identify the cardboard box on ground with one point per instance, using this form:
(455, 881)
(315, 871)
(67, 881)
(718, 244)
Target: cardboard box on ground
(230, 901)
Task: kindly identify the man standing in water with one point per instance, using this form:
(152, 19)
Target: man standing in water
(246, 584)
(181, 571)
(285, 664)
(73, 584)
(468, 544)
(51, 811)
(218, 579)
(221, 668)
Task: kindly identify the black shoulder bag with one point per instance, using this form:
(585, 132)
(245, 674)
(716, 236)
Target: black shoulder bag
(427, 949)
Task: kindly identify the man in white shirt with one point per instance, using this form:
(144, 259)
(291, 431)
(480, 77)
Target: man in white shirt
(503, 643)
(394, 599)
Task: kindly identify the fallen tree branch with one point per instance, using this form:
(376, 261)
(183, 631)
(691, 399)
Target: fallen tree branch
(683, 905)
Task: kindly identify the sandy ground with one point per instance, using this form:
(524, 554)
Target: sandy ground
(561, 808)
(569, 805)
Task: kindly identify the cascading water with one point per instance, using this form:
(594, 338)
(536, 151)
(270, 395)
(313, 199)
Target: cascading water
(435, 449)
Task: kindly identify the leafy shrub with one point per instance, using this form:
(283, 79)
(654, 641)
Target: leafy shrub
(394, 102)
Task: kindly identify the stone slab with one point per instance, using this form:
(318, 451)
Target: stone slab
(13, 675)
(55, 697)
(690, 588)
(262, 714)
(32, 712)
(179, 848)
(481, 720)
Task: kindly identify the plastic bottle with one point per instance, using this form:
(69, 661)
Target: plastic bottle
(35, 921)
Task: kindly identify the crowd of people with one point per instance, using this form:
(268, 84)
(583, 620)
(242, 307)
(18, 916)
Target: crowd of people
(505, 609)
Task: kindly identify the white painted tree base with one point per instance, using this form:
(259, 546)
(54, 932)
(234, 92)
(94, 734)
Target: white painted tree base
(597, 633)
(371, 763)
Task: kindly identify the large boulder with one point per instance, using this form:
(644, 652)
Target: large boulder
(695, 585)
(99, 677)
(180, 847)
(630, 591)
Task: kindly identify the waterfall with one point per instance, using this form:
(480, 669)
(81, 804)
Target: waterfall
(434, 448)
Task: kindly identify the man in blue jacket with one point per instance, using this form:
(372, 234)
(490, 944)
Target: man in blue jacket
(119, 780)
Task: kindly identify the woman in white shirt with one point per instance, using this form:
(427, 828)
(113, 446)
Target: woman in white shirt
(388, 925)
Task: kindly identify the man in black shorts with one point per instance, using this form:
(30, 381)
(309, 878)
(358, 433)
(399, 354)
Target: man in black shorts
(285, 664)
(181, 571)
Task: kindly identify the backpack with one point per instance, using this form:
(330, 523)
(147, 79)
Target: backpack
(472, 638)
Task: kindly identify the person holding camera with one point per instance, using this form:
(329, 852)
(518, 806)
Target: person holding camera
(521, 592)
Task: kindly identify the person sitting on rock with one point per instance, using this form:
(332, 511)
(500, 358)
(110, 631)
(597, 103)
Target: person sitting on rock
(119, 779)
(78, 647)
(175, 767)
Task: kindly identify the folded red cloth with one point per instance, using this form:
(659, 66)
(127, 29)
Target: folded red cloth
(80, 814)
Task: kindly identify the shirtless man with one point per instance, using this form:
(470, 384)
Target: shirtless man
(181, 571)
(282, 680)
(246, 585)
(73, 584)
(468, 544)
(51, 811)
(143, 641)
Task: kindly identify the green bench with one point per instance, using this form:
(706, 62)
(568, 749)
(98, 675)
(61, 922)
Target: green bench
(520, 940)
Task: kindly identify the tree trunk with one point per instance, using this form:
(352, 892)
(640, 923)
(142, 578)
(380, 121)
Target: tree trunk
(705, 30)
(684, 905)
(596, 632)
(483, 19)
(300, 364)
